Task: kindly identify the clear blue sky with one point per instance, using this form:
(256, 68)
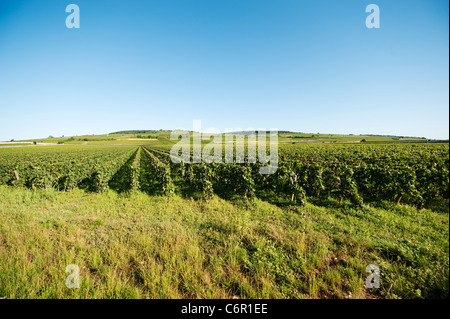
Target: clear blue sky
(308, 66)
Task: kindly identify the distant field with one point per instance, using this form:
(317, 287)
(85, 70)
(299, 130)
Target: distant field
(283, 137)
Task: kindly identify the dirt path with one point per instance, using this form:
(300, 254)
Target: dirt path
(137, 139)
(15, 142)
(26, 144)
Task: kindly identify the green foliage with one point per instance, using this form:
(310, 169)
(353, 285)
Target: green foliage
(161, 173)
(62, 168)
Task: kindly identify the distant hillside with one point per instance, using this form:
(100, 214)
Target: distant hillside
(137, 132)
(141, 137)
(394, 136)
(279, 132)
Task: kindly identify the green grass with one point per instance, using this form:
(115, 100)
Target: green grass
(139, 246)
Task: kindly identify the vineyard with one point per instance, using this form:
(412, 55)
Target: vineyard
(411, 174)
(62, 169)
(140, 225)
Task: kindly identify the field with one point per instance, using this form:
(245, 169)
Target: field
(140, 226)
(146, 137)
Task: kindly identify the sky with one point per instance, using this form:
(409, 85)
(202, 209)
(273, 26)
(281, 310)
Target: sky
(303, 66)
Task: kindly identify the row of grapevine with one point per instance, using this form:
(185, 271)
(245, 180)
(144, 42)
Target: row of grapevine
(202, 177)
(127, 177)
(65, 170)
(414, 174)
(158, 171)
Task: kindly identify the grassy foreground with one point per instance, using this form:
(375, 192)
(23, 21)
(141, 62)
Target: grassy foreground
(140, 246)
